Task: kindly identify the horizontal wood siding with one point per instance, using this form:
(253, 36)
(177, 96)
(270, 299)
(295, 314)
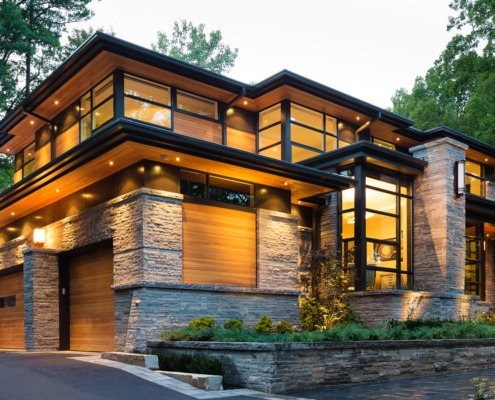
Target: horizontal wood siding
(241, 140)
(12, 318)
(43, 156)
(92, 302)
(219, 246)
(67, 140)
(197, 127)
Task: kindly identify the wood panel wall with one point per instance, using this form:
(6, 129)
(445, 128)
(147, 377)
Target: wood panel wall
(12, 318)
(43, 156)
(219, 246)
(92, 302)
(197, 127)
(67, 140)
(241, 140)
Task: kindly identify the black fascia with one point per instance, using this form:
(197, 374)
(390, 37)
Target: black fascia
(121, 131)
(4, 138)
(373, 154)
(296, 81)
(473, 143)
(481, 206)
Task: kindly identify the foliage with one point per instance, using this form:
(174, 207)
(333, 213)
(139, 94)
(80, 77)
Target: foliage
(283, 327)
(459, 89)
(324, 281)
(6, 171)
(486, 318)
(189, 363)
(202, 323)
(264, 325)
(76, 38)
(482, 390)
(189, 43)
(233, 323)
(31, 32)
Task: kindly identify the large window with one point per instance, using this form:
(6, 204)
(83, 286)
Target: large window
(270, 132)
(147, 101)
(475, 178)
(474, 259)
(384, 259)
(197, 105)
(28, 155)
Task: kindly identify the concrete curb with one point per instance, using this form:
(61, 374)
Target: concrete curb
(140, 360)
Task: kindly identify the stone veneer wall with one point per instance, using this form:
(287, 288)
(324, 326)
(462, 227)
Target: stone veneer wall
(145, 228)
(382, 306)
(439, 219)
(286, 367)
(329, 222)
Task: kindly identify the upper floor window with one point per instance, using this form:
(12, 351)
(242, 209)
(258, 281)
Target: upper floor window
(475, 178)
(96, 108)
(383, 143)
(270, 132)
(147, 101)
(197, 105)
(28, 155)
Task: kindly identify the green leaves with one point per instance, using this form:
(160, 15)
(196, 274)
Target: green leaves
(190, 43)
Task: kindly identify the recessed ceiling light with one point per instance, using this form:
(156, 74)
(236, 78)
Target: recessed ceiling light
(245, 102)
(12, 213)
(164, 157)
(286, 183)
(358, 118)
(298, 201)
(398, 139)
(31, 122)
(486, 159)
(55, 102)
(177, 158)
(110, 163)
(57, 190)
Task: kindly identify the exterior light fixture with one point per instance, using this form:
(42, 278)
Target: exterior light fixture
(459, 181)
(39, 237)
(164, 157)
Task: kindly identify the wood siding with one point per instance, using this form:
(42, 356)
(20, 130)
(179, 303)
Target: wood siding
(197, 127)
(92, 302)
(12, 318)
(67, 140)
(43, 156)
(219, 246)
(241, 140)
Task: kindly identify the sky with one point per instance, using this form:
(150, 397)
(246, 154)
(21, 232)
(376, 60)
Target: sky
(365, 48)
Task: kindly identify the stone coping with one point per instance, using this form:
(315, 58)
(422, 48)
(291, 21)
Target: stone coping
(206, 288)
(290, 346)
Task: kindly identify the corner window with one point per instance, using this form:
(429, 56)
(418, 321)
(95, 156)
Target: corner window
(474, 259)
(270, 132)
(197, 105)
(147, 101)
(475, 182)
(383, 143)
(216, 188)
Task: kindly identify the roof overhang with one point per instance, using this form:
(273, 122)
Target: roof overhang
(371, 154)
(480, 208)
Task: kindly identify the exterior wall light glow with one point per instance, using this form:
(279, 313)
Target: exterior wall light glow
(460, 181)
(39, 237)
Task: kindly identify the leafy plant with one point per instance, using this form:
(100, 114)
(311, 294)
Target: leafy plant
(189, 363)
(202, 323)
(324, 281)
(481, 389)
(233, 323)
(264, 325)
(486, 318)
(283, 327)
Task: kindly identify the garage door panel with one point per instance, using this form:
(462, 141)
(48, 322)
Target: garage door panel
(12, 318)
(92, 302)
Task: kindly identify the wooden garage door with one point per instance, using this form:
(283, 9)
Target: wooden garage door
(219, 246)
(12, 311)
(92, 302)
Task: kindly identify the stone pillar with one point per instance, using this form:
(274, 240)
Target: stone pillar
(439, 219)
(329, 234)
(490, 273)
(277, 243)
(41, 299)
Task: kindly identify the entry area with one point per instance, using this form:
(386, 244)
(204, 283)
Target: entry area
(91, 301)
(12, 311)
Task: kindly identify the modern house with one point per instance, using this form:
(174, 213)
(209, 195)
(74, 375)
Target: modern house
(149, 192)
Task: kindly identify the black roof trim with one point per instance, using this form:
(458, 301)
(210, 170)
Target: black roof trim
(473, 143)
(373, 154)
(120, 131)
(297, 81)
(480, 206)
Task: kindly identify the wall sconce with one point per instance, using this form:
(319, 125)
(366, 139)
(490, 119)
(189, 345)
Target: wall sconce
(460, 178)
(39, 237)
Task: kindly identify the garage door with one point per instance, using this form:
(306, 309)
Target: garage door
(12, 311)
(91, 300)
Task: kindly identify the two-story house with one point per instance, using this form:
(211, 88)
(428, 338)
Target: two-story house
(149, 192)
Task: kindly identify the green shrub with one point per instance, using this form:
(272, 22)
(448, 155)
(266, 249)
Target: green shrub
(233, 323)
(202, 323)
(283, 327)
(482, 389)
(190, 363)
(485, 318)
(264, 325)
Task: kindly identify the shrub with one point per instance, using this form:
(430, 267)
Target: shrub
(486, 318)
(482, 390)
(233, 323)
(264, 325)
(202, 323)
(283, 327)
(189, 363)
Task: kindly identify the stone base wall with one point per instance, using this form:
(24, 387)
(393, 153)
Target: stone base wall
(382, 306)
(150, 311)
(286, 367)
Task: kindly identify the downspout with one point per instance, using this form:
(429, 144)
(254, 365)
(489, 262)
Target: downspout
(34, 115)
(369, 123)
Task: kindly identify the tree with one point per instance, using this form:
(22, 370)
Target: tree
(459, 89)
(189, 43)
(30, 32)
(6, 171)
(76, 38)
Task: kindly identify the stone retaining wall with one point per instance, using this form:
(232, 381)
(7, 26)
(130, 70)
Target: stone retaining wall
(286, 367)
